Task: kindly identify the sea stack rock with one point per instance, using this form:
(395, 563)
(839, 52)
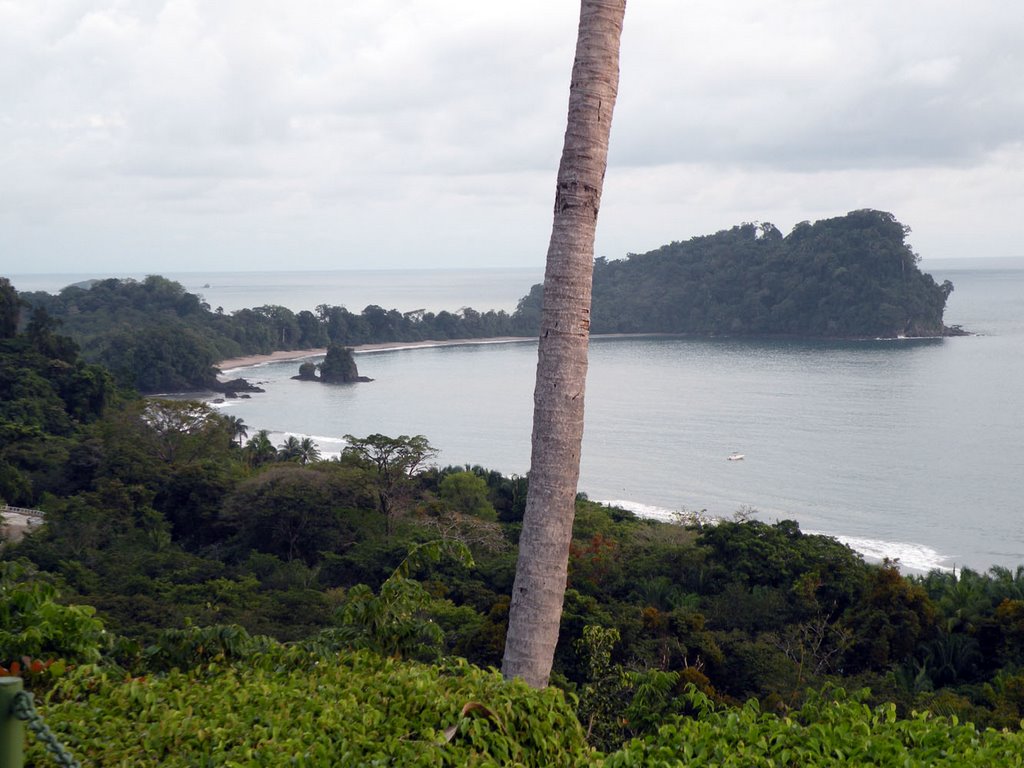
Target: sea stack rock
(233, 387)
(307, 372)
(338, 367)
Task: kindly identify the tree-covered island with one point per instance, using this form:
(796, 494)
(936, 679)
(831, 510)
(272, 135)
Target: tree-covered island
(852, 276)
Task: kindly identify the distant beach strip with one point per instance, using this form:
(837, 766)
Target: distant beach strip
(249, 361)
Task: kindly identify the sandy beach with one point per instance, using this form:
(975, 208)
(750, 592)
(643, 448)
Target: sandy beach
(301, 354)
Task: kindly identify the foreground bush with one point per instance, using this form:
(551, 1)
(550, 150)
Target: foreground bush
(35, 625)
(290, 707)
(827, 731)
(293, 707)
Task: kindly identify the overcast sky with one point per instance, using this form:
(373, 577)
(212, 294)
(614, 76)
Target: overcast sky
(175, 135)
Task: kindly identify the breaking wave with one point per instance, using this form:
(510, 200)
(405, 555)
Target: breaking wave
(910, 556)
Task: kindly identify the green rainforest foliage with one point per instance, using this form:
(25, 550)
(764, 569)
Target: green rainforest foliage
(299, 706)
(200, 596)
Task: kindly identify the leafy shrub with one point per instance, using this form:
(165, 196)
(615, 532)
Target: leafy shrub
(836, 730)
(291, 707)
(195, 646)
(33, 624)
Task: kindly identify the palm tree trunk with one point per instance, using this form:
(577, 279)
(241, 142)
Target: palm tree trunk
(539, 587)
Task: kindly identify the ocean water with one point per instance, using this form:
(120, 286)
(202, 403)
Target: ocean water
(912, 449)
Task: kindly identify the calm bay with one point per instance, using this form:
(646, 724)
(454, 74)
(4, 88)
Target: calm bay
(902, 448)
(911, 449)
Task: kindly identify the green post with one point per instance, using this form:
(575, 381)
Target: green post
(12, 730)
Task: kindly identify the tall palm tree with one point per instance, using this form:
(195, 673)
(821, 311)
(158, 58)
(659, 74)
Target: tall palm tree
(289, 450)
(302, 451)
(259, 449)
(237, 427)
(308, 451)
(539, 588)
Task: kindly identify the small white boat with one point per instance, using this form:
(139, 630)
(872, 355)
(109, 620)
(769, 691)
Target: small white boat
(736, 457)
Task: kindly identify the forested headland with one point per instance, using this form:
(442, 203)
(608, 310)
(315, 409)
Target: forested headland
(221, 598)
(154, 336)
(852, 276)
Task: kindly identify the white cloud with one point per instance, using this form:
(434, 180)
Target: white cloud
(191, 133)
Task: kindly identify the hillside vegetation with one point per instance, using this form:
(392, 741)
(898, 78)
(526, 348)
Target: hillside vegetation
(196, 594)
(296, 706)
